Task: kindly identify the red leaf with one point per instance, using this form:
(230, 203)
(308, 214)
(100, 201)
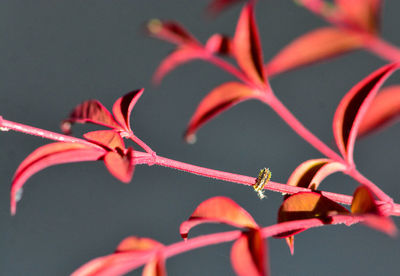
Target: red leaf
(91, 111)
(219, 44)
(353, 107)
(384, 109)
(49, 155)
(364, 205)
(121, 166)
(217, 6)
(306, 205)
(218, 210)
(309, 174)
(122, 108)
(312, 47)
(218, 100)
(363, 13)
(170, 31)
(246, 46)
(156, 267)
(176, 58)
(106, 138)
(248, 255)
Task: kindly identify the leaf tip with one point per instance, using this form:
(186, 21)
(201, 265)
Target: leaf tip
(190, 138)
(154, 26)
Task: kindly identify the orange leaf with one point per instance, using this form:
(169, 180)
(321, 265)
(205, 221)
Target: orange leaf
(354, 105)
(218, 210)
(247, 47)
(121, 166)
(248, 255)
(309, 174)
(312, 47)
(106, 138)
(364, 205)
(218, 100)
(384, 109)
(137, 244)
(306, 205)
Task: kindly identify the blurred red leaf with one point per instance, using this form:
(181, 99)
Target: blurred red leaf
(218, 100)
(49, 155)
(176, 58)
(217, 6)
(306, 205)
(364, 205)
(384, 109)
(218, 210)
(219, 44)
(249, 256)
(246, 46)
(170, 31)
(363, 13)
(122, 108)
(91, 111)
(309, 174)
(106, 138)
(354, 105)
(120, 165)
(120, 262)
(312, 47)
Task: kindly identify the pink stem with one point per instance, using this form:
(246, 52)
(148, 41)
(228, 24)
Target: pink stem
(298, 127)
(382, 48)
(9, 125)
(140, 143)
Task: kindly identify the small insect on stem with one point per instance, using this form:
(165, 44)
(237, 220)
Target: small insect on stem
(263, 177)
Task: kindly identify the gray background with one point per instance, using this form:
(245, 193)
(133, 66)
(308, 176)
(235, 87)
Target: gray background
(55, 54)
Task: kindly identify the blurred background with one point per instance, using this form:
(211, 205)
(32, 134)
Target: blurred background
(56, 54)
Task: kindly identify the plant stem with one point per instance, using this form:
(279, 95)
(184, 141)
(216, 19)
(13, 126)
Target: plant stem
(299, 128)
(382, 48)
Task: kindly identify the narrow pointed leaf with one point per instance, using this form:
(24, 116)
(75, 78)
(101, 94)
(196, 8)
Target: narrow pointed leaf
(121, 166)
(384, 109)
(309, 174)
(122, 108)
(247, 47)
(218, 210)
(306, 205)
(364, 13)
(176, 58)
(218, 100)
(248, 255)
(49, 155)
(106, 138)
(354, 105)
(91, 111)
(315, 46)
(364, 205)
(170, 31)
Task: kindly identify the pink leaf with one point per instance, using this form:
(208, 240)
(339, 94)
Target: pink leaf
(309, 174)
(312, 47)
(156, 267)
(218, 100)
(306, 205)
(248, 255)
(170, 31)
(106, 138)
(91, 111)
(384, 109)
(176, 58)
(354, 105)
(362, 13)
(219, 44)
(218, 210)
(121, 166)
(49, 155)
(246, 46)
(364, 205)
(122, 108)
